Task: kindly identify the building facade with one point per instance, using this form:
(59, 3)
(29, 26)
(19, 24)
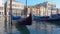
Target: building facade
(1, 8)
(1, 11)
(50, 6)
(40, 11)
(43, 11)
(58, 10)
(1, 16)
(17, 8)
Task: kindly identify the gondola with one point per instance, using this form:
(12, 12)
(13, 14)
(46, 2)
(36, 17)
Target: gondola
(55, 17)
(47, 18)
(40, 18)
(23, 21)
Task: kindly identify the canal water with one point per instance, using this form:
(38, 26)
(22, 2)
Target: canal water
(37, 27)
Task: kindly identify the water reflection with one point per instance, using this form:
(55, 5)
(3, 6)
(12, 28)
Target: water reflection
(22, 28)
(44, 27)
(37, 27)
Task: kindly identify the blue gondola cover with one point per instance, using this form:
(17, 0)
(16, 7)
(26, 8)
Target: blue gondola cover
(15, 17)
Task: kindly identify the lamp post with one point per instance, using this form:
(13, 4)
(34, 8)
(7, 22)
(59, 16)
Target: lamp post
(51, 11)
(25, 10)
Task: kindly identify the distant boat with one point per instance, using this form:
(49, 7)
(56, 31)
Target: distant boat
(40, 18)
(15, 17)
(55, 17)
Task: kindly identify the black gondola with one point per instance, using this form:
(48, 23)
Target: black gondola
(25, 21)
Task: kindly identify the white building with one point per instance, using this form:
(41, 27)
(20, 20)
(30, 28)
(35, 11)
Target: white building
(1, 11)
(50, 6)
(17, 8)
(1, 7)
(1, 16)
(58, 10)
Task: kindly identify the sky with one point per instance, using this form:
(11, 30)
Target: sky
(34, 2)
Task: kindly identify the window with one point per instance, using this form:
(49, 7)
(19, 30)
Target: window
(15, 5)
(0, 13)
(49, 8)
(1, 8)
(51, 5)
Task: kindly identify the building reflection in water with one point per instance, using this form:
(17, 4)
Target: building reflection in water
(37, 27)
